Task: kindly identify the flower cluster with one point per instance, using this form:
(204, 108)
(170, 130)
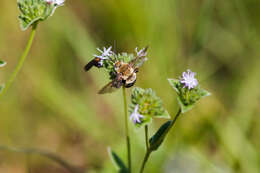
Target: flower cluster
(33, 11)
(145, 105)
(188, 90)
(188, 79)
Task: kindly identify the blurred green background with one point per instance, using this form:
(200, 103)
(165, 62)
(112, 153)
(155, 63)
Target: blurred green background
(53, 104)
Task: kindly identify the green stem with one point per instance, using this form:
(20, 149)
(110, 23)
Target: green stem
(149, 151)
(147, 154)
(175, 118)
(51, 156)
(126, 131)
(146, 137)
(21, 61)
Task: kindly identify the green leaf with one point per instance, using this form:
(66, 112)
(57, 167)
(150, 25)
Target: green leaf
(174, 83)
(156, 140)
(184, 108)
(2, 63)
(204, 93)
(117, 161)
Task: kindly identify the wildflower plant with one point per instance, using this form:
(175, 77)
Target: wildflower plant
(189, 93)
(122, 70)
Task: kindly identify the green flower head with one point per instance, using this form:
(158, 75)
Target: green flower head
(145, 105)
(188, 90)
(33, 11)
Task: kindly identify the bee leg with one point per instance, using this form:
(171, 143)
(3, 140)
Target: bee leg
(117, 83)
(95, 62)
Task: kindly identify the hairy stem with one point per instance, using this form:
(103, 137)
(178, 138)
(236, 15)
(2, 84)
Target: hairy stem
(21, 61)
(149, 151)
(126, 131)
(49, 155)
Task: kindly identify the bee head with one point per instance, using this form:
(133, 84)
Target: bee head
(117, 65)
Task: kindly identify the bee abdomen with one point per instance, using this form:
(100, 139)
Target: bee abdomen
(95, 62)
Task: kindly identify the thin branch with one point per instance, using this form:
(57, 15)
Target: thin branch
(49, 155)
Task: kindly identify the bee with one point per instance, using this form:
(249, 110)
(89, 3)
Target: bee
(125, 73)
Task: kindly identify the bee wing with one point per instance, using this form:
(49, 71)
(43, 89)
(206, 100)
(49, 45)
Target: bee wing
(108, 88)
(139, 60)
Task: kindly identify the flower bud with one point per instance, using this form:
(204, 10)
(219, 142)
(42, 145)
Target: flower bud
(33, 11)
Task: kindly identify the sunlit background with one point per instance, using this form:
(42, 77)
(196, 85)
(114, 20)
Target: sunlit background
(53, 104)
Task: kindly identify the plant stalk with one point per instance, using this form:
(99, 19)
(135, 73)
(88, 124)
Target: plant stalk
(147, 154)
(148, 151)
(146, 137)
(21, 61)
(126, 131)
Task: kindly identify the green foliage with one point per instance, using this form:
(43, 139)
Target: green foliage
(220, 39)
(150, 105)
(187, 98)
(33, 11)
(119, 164)
(156, 140)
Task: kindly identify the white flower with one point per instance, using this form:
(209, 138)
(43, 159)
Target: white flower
(140, 53)
(135, 116)
(188, 79)
(56, 2)
(49, 1)
(59, 2)
(105, 53)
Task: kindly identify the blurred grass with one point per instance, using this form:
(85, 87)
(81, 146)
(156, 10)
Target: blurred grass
(53, 104)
